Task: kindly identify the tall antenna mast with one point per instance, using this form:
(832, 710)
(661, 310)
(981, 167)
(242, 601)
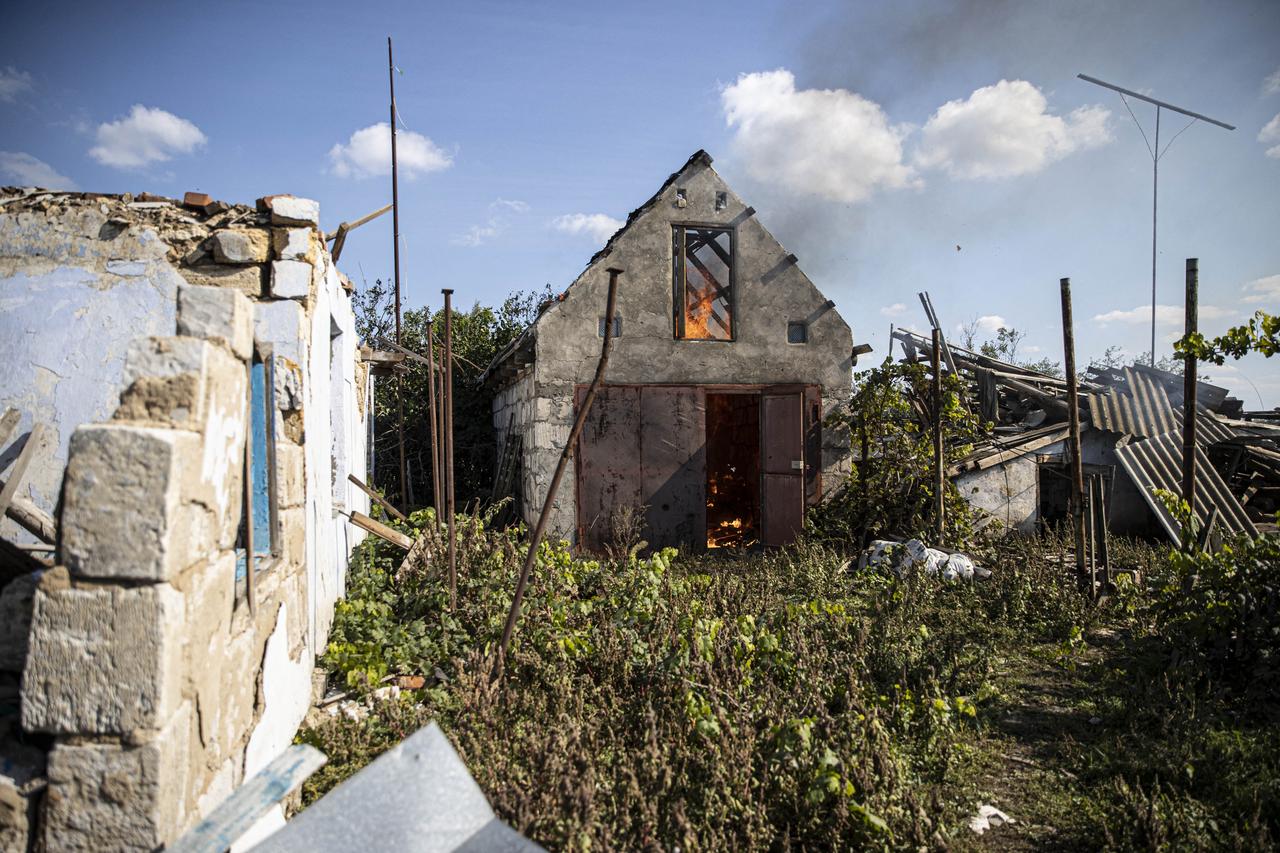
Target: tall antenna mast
(395, 227)
(1156, 154)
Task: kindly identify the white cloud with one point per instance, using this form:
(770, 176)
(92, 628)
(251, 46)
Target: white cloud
(1265, 289)
(1031, 349)
(146, 135)
(498, 221)
(1003, 131)
(1271, 85)
(831, 143)
(598, 226)
(990, 323)
(13, 83)
(30, 172)
(1269, 134)
(368, 154)
(897, 309)
(1166, 315)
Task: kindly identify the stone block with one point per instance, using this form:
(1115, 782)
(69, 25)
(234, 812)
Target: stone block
(290, 279)
(291, 482)
(109, 797)
(217, 314)
(123, 508)
(294, 244)
(209, 593)
(16, 600)
(104, 660)
(241, 246)
(286, 210)
(22, 770)
(293, 536)
(173, 382)
(246, 279)
(281, 323)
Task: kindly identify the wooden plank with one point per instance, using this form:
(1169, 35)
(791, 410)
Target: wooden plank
(381, 501)
(377, 528)
(31, 517)
(28, 452)
(239, 812)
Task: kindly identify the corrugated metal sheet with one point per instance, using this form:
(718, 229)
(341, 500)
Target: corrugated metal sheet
(1156, 463)
(1145, 411)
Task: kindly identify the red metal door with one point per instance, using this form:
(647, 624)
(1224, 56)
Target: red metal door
(607, 462)
(782, 442)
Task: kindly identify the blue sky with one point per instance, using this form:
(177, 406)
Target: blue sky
(872, 138)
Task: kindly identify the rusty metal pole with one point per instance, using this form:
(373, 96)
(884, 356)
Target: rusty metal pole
(1189, 393)
(395, 227)
(431, 413)
(1073, 421)
(939, 474)
(448, 446)
(536, 539)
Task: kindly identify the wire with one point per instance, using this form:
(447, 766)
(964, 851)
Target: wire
(1179, 133)
(1140, 130)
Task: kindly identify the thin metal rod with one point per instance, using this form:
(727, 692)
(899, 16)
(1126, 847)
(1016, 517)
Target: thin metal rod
(435, 424)
(448, 446)
(1189, 392)
(1073, 421)
(939, 473)
(1150, 100)
(536, 539)
(1155, 191)
(395, 227)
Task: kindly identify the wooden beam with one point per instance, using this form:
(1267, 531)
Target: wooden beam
(379, 499)
(35, 520)
(382, 531)
(28, 452)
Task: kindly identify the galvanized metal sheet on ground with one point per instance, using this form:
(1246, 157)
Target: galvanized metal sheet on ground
(1156, 463)
(416, 797)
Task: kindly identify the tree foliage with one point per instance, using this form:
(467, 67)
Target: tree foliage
(1260, 334)
(891, 491)
(479, 334)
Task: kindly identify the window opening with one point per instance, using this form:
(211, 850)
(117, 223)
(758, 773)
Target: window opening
(617, 327)
(704, 279)
(733, 470)
(262, 510)
(797, 333)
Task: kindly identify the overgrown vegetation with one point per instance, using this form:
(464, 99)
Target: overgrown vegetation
(787, 700)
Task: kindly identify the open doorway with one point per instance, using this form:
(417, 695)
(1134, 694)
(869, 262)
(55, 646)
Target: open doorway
(733, 470)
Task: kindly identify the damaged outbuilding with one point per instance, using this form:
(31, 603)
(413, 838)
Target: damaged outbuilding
(185, 398)
(708, 432)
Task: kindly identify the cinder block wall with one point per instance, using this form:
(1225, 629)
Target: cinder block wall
(163, 688)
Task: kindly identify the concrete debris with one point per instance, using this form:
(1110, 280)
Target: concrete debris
(988, 817)
(902, 557)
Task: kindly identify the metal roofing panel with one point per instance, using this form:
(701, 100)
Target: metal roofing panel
(1156, 463)
(1145, 411)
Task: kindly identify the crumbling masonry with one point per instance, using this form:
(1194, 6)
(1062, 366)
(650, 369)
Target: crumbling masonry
(151, 340)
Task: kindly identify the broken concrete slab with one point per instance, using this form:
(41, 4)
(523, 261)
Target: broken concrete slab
(241, 246)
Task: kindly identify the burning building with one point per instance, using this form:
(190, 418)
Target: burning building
(708, 431)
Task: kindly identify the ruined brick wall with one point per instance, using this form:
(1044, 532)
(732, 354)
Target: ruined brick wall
(162, 688)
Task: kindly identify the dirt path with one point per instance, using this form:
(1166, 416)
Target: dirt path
(1026, 768)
